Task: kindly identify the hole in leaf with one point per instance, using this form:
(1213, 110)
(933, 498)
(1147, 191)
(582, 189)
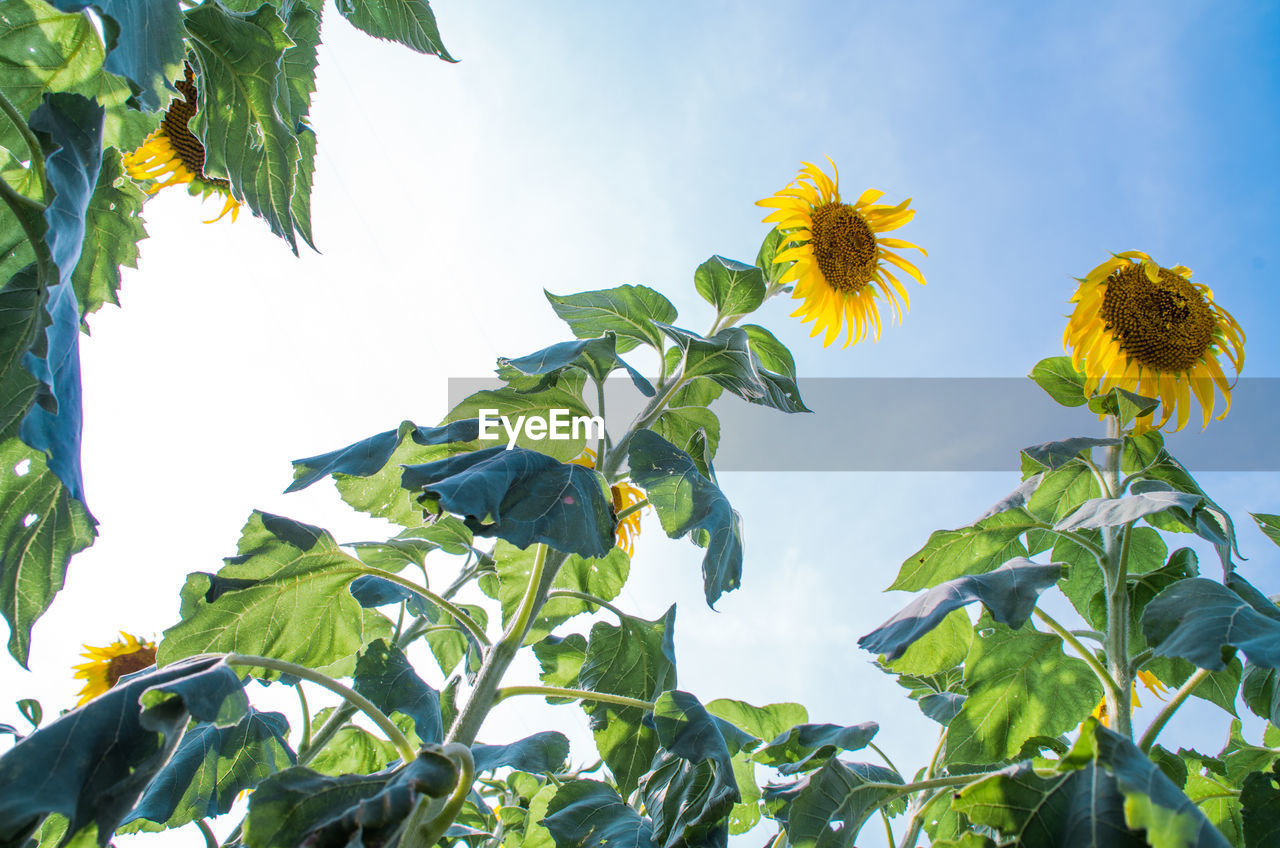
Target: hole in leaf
(22, 468)
(29, 519)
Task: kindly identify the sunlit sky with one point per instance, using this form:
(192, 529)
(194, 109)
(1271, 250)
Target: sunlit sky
(585, 145)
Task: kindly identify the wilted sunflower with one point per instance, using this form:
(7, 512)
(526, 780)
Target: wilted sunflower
(1150, 330)
(107, 665)
(624, 496)
(1149, 680)
(839, 255)
(174, 152)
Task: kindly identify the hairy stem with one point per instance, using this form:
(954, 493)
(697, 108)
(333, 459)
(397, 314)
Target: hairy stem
(431, 597)
(33, 144)
(429, 821)
(1115, 544)
(210, 841)
(498, 658)
(305, 742)
(581, 694)
(360, 702)
(1162, 718)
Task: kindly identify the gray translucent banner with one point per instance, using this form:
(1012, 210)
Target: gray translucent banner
(943, 424)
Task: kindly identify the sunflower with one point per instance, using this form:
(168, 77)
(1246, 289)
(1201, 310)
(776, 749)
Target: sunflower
(624, 495)
(838, 254)
(174, 152)
(107, 665)
(1150, 330)
(1154, 685)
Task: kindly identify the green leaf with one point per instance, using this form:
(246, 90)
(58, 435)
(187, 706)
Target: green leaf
(689, 424)
(148, 47)
(352, 750)
(686, 501)
(561, 659)
(1061, 380)
(302, 26)
(942, 648)
(1113, 512)
(246, 138)
(1152, 802)
(411, 547)
(384, 676)
(597, 357)
(827, 808)
(298, 805)
(537, 754)
(631, 312)
(1202, 621)
(212, 765)
(521, 496)
(369, 456)
(113, 228)
(1268, 524)
(805, 746)
(41, 528)
(44, 50)
(409, 22)
(949, 554)
(636, 658)
(767, 722)
(93, 763)
(745, 814)
(1059, 493)
(587, 814)
(733, 288)
(1239, 758)
(1020, 685)
(765, 256)
(691, 789)
(1051, 809)
(449, 647)
(1053, 455)
(1260, 688)
(1123, 403)
(728, 359)
(1260, 802)
(1009, 594)
(513, 404)
(284, 596)
(1215, 796)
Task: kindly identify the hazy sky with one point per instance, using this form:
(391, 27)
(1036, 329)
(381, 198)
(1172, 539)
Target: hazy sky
(584, 145)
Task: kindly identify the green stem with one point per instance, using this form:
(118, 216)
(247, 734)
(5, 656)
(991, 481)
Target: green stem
(602, 443)
(1162, 718)
(583, 596)
(436, 600)
(360, 702)
(499, 656)
(933, 783)
(1100, 638)
(884, 757)
(917, 821)
(29, 138)
(633, 509)
(1139, 661)
(1109, 683)
(888, 827)
(210, 841)
(581, 694)
(1115, 547)
(305, 743)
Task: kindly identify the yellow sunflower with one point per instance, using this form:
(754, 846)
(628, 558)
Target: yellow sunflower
(173, 154)
(1150, 330)
(107, 665)
(624, 495)
(1149, 680)
(840, 257)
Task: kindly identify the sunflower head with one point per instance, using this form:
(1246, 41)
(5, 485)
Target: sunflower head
(1150, 330)
(840, 262)
(172, 155)
(624, 495)
(108, 664)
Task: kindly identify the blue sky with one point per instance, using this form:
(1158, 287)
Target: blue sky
(584, 145)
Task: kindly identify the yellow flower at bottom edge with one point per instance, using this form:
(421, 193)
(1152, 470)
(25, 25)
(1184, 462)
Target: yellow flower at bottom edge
(108, 664)
(173, 154)
(1150, 330)
(624, 495)
(839, 255)
(1149, 680)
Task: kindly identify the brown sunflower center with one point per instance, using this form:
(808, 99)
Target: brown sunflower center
(175, 125)
(118, 667)
(844, 246)
(1165, 325)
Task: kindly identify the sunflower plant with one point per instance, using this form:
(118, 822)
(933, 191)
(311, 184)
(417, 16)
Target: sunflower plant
(1035, 631)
